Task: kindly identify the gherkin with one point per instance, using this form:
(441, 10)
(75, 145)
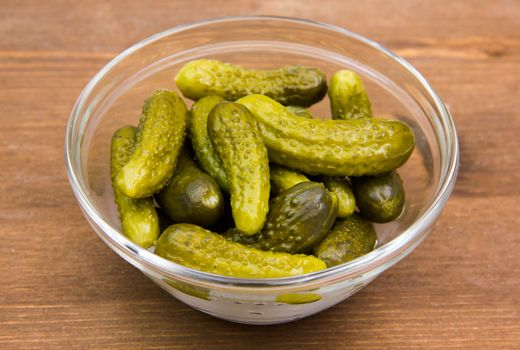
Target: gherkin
(348, 97)
(197, 248)
(366, 146)
(283, 178)
(295, 85)
(191, 196)
(349, 239)
(138, 217)
(204, 150)
(236, 138)
(298, 219)
(160, 136)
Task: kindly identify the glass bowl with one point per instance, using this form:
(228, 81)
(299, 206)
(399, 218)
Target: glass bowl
(114, 98)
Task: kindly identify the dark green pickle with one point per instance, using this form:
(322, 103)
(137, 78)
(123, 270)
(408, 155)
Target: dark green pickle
(191, 196)
(379, 198)
(349, 239)
(298, 219)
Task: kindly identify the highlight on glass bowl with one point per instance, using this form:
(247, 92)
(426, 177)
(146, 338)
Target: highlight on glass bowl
(261, 169)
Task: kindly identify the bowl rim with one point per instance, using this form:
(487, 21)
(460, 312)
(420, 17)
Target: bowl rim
(370, 264)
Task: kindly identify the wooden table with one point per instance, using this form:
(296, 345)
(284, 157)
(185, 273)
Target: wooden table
(62, 288)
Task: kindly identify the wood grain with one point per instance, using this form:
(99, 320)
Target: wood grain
(62, 288)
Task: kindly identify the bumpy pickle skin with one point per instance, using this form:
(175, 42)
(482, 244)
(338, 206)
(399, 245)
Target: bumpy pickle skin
(191, 196)
(338, 185)
(138, 217)
(348, 97)
(197, 248)
(380, 198)
(160, 136)
(366, 146)
(300, 111)
(298, 219)
(283, 178)
(295, 85)
(341, 188)
(237, 140)
(198, 130)
(349, 239)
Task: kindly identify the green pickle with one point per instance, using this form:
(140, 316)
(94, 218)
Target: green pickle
(191, 290)
(347, 95)
(341, 188)
(237, 140)
(139, 219)
(336, 184)
(195, 247)
(298, 219)
(283, 178)
(160, 136)
(349, 239)
(295, 85)
(300, 111)
(380, 198)
(366, 146)
(297, 298)
(206, 154)
(191, 195)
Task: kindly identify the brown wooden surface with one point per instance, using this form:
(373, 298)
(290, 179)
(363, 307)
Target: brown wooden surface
(62, 288)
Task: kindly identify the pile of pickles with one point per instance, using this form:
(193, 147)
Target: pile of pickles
(248, 183)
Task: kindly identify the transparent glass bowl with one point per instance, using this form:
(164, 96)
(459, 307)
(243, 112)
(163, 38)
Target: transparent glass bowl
(114, 98)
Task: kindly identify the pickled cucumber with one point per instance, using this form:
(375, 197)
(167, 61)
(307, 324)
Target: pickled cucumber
(233, 234)
(348, 98)
(237, 140)
(296, 85)
(138, 216)
(206, 155)
(366, 146)
(160, 136)
(283, 178)
(195, 247)
(346, 200)
(380, 198)
(297, 298)
(298, 219)
(336, 184)
(300, 111)
(191, 195)
(349, 239)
